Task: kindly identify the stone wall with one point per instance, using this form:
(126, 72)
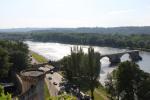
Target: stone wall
(32, 87)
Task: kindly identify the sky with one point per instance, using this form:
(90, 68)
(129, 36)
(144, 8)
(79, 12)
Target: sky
(74, 13)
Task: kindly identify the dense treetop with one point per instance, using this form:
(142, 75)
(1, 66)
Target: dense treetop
(13, 56)
(129, 82)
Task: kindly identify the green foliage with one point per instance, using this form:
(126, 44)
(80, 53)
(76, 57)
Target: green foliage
(112, 40)
(63, 97)
(143, 90)
(93, 69)
(4, 63)
(127, 78)
(19, 59)
(3, 96)
(79, 66)
(128, 81)
(13, 56)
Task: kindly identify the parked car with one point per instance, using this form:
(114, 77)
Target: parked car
(50, 78)
(54, 83)
(51, 72)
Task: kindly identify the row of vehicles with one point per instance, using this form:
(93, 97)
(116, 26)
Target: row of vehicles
(69, 88)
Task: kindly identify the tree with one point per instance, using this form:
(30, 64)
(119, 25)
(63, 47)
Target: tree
(93, 69)
(128, 82)
(19, 59)
(127, 77)
(4, 63)
(143, 90)
(79, 66)
(72, 63)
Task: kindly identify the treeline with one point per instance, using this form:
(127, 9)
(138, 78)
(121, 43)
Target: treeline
(111, 40)
(14, 36)
(133, 41)
(13, 57)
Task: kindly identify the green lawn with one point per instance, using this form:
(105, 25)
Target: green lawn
(38, 57)
(5, 97)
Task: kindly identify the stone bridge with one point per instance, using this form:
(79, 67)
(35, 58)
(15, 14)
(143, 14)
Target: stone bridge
(113, 58)
(116, 57)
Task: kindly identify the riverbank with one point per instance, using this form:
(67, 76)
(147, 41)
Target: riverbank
(141, 49)
(38, 58)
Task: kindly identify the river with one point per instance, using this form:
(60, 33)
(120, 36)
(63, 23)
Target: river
(56, 51)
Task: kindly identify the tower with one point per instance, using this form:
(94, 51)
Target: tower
(32, 84)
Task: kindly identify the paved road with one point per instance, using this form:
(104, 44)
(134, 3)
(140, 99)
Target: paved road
(55, 77)
(50, 79)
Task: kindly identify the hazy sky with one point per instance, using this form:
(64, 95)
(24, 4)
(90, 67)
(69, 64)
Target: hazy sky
(74, 13)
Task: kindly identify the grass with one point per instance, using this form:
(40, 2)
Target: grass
(38, 57)
(99, 93)
(46, 92)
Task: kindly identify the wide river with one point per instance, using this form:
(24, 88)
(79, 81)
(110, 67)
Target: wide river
(56, 51)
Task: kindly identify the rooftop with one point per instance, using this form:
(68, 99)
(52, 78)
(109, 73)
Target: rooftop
(32, 73)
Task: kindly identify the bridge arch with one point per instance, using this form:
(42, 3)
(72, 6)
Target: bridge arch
(125, 57)
(116, 58)
(135, 56)
(113, 59)
(105, 61)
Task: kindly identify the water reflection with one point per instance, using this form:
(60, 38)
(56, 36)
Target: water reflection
(104, 64)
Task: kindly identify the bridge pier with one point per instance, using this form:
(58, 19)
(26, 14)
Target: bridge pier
(134, 56)
(115, 59)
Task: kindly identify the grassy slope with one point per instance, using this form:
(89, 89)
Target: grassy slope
(46, 92)
(38, 57)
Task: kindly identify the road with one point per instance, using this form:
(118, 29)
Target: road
(50, 79)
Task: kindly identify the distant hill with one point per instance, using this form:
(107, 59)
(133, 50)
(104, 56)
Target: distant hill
(110, 30)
